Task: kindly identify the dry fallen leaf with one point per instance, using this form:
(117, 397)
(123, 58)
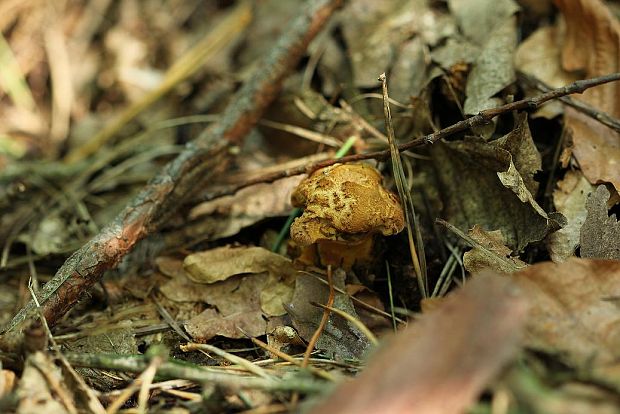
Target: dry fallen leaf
(374, 33)
(493, 70)
(221, 263)
(491, 184)
(600, 232)
(592, 46)
(236, 302)
(477, 18)
(442, 362)
(491, 25)
(539, 56)
(243, 284)
(182, 289)
(493, 242)
(211, 323)
(569, 199)
(574, 314)
(225, 216)
(525, 155)
(340, 338)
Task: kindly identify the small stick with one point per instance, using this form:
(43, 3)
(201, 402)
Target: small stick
(353, 320)
(324, 319)
(142, 384)
(602, 117)
(286, 357)
(484, 117)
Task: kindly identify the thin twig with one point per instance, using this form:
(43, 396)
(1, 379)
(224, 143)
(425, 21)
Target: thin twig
(324, 319)
(353, 320)
(484, 117)
(142, 383)
(602, 117)
(286, 357)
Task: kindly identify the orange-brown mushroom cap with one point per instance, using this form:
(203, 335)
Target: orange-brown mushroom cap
(344, 202)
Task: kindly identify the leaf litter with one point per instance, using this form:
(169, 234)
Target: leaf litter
(195, 122)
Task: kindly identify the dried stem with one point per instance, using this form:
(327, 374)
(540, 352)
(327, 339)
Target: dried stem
(324, 319)
(484, 117)
(416, 250)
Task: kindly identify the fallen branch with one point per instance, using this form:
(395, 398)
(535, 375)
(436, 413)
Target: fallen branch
(482, 118)
(209, 154)
(602, 117)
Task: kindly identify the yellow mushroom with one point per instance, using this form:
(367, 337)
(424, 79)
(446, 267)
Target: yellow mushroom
(345, 205)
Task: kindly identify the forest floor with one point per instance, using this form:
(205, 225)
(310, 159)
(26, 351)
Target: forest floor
(310, 206)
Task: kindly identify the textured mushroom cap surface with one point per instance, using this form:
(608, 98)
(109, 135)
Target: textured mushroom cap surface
(343, 202)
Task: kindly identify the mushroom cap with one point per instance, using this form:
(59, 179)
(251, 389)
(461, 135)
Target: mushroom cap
(344, 202)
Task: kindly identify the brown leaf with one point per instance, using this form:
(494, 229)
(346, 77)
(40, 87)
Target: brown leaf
(223, 262)
(374, 32)
(491, 25)
(480, 258)
(477, 18)
(456, 50)
(412, 70)
(525, 156)
(183, 289)
(39, 387)
(210, 323)
(217, 265)
(569, 199)
(481, 184)
(493, 70)
(237, 303)
(592, 45)
(339, 338)
(237, 294)
(574, 313)
(225, 216)
(600, 232)
(441, 363)
(539, 56)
